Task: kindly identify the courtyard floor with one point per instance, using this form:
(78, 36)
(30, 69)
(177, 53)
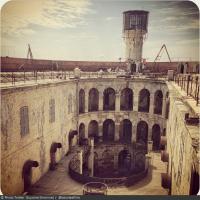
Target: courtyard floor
(58, 182)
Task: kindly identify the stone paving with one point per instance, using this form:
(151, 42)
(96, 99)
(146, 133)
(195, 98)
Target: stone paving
(58, 182)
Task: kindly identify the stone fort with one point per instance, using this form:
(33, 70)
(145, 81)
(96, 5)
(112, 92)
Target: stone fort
(75, 127)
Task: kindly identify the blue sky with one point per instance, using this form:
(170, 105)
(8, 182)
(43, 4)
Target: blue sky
(92, 30)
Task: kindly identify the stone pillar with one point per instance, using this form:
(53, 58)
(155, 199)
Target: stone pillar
(117, 127)
(151, 106)
(164, 107)
(86, 130)
(86, 100)
(80, 158)
(91, 157)
(117, 102)
(101, 132)
(100, 100)
(149, 132)
(134, 133)
(135, 102)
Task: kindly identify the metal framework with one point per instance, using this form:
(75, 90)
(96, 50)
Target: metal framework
(159, 56)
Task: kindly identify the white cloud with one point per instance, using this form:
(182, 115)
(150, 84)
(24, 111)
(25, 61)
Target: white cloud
(110, 18)
(18, 17)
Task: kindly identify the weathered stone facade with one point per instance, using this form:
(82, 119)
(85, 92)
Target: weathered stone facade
(16, 149)
(182, 143)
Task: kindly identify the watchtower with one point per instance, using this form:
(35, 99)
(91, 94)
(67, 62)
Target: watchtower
(135, 23)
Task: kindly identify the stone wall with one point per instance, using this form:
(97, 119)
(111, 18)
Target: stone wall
(182, 141)
(13, 64)
(117, 116)
(17, 149)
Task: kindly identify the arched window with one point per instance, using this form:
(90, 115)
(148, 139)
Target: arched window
(107, 163)
(81, 101)
(158, 102)
(93, 103)
(109, 99)
(144, 101)
(156, 136)
(108, 130)
(93, 130)
(81, 133)
(126, 99)
(142, 133)
(125, 131)
(124, 162)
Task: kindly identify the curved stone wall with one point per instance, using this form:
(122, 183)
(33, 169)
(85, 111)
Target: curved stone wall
(52, 109)
(157, 94)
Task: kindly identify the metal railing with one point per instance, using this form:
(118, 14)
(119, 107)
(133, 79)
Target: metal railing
(37, 76)
(190, 84)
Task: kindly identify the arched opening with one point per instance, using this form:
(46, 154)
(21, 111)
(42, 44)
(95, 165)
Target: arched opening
(81, 134)
(81, 101)
(182, 68)
(124, 162)
(140, 162)
(93, 103)
(156, 137)
(142, 134)
(133, 68)
(53, 149)
(126, 99)
(109, 99)
(158, 102)
(27, 173)
(144, 101)
(107, 163)
(125, 131)
(93, 130)
(108, 130)
(194, 182)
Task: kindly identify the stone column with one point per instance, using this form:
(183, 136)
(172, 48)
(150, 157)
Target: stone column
(91, 157)
(100, 100)
(149, 132)
(80, 158)
(151, 106)
(134, 133)
(86, 130)
(117, 102)
(101, 131)
(117, 127)
(86, 100)
(135, 101)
